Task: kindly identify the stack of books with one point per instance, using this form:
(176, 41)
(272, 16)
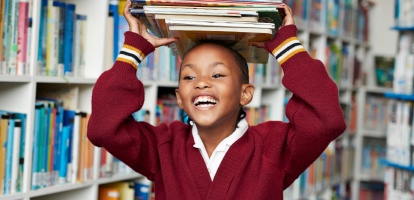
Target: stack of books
(235, 23)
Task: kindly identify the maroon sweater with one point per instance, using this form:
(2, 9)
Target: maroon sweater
(260, 165)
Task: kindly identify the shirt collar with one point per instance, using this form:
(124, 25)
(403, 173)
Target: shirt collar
(228, 141)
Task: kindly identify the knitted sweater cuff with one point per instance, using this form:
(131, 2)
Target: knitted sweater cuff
(135, 49)
(285, 44)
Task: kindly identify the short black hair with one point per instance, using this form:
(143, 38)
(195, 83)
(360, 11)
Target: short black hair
(240, 60)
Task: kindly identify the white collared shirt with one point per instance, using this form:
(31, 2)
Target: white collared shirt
(217, 156)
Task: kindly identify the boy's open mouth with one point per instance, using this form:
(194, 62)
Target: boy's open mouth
(204, 101)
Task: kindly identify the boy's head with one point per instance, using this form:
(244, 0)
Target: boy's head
(213, 85)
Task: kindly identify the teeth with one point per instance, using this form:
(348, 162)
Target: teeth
(204, 99)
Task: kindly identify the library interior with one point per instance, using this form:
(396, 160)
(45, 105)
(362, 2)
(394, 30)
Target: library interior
(53, 52)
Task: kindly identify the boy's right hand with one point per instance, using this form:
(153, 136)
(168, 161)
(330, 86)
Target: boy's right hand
(137, 27)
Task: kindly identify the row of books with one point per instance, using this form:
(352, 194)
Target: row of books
(375, 114)
(373, 152)
(127, 190)
(61, 40)
(61, 151)
(12, 140)
(320, 15)
(399, 132)
(404, 64)
(15, 36)
(399, 183)
(404, 16)
(333, 166)
(342, 66)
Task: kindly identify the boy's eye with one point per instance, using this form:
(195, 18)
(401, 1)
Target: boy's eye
(218, 75)
(188, 77)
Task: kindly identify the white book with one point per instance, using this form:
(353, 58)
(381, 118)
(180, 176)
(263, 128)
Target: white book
(16, 155)
(75, 147)
(220, 23)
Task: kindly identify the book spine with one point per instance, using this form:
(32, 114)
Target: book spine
(64, 154)
(14, 20)
(36, 136)
(15, 156)
(75, 147)
(4, 120)
(41, 56)
(22, 37)
(9, 156)
(2, 15)
(61, 40)
(68, 43)
(113, 8)
(6, 36)
(52, 45)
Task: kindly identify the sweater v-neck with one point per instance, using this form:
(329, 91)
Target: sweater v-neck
(217, 188)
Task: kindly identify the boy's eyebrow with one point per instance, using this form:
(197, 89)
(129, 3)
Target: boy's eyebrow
(213, 65)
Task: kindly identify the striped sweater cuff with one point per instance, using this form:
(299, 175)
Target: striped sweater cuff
(285, 44)
(135, 49)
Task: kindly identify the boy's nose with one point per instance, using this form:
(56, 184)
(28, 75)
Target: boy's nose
(202, 84)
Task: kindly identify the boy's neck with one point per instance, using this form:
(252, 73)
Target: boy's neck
(212, 137)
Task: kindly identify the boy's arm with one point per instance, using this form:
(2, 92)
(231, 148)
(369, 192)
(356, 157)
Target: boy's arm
(314, 113)
(116, 95)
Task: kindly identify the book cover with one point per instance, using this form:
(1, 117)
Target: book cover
(109, 41)
(208, 3)
(107, 193)
(16, 155)
(4, 123)
(22, 118)
(39, 109)
(9, 156)
(52, 45)
(12, 46)
(6, 37)
(126, 189)
(41, 51)
(68, 41)
(68, 121)
(236, 38)
(22, 37)
(2, 18)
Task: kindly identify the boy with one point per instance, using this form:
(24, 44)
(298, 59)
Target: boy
(218, 156)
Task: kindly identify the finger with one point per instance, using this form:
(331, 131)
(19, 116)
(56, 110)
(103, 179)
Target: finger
(257, 44)
(164, 41)
(126, 8)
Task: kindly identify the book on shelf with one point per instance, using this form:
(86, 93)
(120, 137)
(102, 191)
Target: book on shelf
(236, 23)
(384, 70)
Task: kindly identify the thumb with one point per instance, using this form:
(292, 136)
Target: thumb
(257, 44)
(164, 41)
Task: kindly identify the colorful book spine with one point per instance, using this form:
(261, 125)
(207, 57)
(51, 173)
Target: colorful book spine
(22, 37)
(61, 36)
(14, 20)
(68, 42)
(36, 144)
(4, 123)
(52, 45)
(6, 36)
(9, 156)
(2, 18)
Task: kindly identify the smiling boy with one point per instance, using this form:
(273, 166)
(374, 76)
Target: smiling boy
(217, 156)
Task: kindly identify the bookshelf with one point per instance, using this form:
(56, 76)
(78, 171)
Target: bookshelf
(340, 44)
(399, 155)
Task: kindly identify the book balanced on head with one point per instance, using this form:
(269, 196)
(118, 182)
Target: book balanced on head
(235, 23)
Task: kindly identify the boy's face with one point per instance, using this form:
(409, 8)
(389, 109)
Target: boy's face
(210, 89)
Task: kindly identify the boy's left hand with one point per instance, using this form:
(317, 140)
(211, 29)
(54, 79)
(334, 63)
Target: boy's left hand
(286, 13)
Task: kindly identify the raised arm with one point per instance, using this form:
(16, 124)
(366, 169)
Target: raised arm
(314, 113)
(117, 94)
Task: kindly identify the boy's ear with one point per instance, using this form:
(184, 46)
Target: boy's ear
(179, 101)
(247, 94)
